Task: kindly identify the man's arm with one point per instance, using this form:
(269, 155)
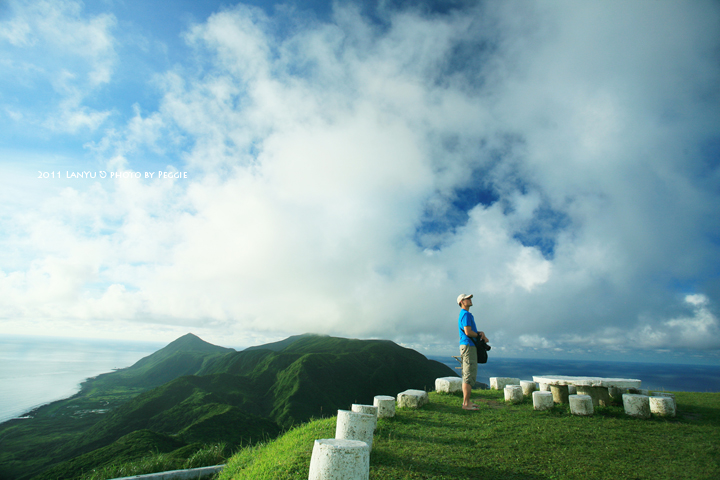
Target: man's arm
(470, 333)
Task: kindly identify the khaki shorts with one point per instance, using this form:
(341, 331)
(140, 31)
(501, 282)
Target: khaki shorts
(468, 355)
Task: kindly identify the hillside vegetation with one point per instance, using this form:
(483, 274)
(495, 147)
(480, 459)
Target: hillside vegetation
(503, 441)
(213, 396)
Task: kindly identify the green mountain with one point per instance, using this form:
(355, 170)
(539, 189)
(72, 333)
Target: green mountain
(185, 356)
(220, 395)
(316, 375)
(277, 346)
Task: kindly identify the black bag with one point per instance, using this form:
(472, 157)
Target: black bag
(482, 349)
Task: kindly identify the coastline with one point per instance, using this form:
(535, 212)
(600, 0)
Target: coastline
(38, 371)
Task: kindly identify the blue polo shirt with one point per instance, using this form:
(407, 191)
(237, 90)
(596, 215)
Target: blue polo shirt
(466, 319)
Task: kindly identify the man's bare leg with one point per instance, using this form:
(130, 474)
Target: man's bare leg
(467, 390)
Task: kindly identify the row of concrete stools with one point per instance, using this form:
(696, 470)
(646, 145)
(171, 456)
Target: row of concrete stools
(347, 456)
(635, 405)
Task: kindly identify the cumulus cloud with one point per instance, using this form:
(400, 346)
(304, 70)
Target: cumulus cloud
(352, 178)
(534, 341)
(701, 329)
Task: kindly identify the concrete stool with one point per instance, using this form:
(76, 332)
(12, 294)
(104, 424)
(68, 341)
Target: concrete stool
(560, 393)
(513, 393)
(355, 426)
(666, 394)
(542, 400)
(663, 394)
(572, 390)
(663, 406)
(339, 459)
(369, 409)
(448, 384)
(412, 399)
(498, 383)
(528, 387)
(636, 405)
(544, 387)
(386, 406)
(581, 404)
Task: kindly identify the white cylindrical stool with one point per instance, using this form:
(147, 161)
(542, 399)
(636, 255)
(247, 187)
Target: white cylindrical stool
(339, 460)
(369, 409)
(560, 393)
(528, 387)
(542, 400)
(386, 406)
(513, 393)
(498, 383)
(572, 390)
(448, 384)
(664, 394)
(636, 405)
(662, 405)
(355, 426)
(544, 387)
(581, 404)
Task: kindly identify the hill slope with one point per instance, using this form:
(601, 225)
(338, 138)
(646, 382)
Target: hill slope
(239, 397)
(312, 377)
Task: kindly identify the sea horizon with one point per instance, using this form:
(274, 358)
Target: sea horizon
(672, 377)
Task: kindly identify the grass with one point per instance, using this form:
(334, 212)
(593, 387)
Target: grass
(503, 441)
(210, 455)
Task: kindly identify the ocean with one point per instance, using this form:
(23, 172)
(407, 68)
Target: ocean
(35, 371)
(654, 376)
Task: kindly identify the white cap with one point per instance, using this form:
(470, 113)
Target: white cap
(462, 297)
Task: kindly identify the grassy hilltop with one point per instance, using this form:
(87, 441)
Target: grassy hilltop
(191, 396)
(503, 441)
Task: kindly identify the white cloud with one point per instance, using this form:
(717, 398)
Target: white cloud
(530, 269)
(535, 341)
(702, 329)
(546, 148)
(61, 27)
(55, 44)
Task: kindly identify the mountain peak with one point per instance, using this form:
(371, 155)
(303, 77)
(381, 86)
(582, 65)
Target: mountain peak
(189, 345)
(191, 342)
(188, 338)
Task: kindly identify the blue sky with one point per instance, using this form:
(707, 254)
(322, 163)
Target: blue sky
(350, 168)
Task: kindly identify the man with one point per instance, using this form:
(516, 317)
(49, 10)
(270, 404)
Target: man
(468, 351)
